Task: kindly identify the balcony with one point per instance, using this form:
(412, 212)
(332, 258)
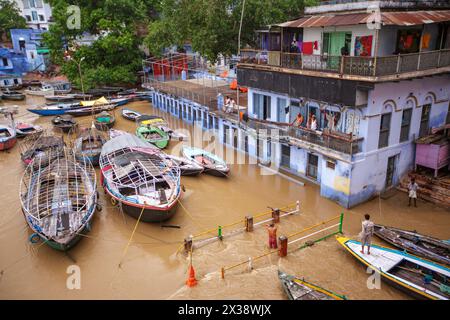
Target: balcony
(386, 68)
(334, 141)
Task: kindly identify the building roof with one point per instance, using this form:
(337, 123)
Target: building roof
(405, 18)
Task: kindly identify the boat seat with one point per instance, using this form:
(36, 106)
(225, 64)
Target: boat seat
(162, 197)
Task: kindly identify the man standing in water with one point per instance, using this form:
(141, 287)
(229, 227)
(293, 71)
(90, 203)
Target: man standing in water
(272, 235)
(412, 192)
(366, 233)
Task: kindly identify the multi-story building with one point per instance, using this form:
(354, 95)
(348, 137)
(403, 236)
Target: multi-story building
(37, 13)
(374, 75)
(28, 43)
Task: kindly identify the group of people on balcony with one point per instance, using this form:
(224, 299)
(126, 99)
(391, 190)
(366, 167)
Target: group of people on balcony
(230, 105)
(311, 124)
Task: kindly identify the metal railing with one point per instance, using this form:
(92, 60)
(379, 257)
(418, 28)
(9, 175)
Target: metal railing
(350, 65)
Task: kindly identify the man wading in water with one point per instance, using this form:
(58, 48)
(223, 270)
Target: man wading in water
(412, 192)
(366, 233)
(272, 236)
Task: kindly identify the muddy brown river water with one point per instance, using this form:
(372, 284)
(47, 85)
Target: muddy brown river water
(152, 268)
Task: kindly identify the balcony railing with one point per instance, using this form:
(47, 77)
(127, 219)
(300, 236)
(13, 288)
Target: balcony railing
(336, 141)
(351, 65)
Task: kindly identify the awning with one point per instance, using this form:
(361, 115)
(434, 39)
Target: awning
(100, 101)
(405, 18)
(42, 51)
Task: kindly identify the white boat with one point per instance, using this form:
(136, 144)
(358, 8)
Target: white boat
(417, 276)
(45, 90)
(187, 166)
(211, 163)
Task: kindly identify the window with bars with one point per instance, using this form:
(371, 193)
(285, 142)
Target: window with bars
(385, 128)
(406, 125)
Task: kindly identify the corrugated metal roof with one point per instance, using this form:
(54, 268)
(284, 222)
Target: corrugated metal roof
(406, 18)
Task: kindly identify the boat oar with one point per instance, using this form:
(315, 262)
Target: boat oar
(173, 226)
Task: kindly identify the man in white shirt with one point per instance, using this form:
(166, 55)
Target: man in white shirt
(366, 233)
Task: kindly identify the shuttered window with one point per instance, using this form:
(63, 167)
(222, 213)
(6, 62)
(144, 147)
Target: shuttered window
(385, 127)
(406, 124)
(424, 120)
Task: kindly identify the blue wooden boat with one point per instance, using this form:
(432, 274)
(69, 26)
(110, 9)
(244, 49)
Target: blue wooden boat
(58, 109)
(59, 201)
(88, 145)
(416, 276)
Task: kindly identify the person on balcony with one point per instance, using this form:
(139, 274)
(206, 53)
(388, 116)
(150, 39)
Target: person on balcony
(298, 120)
(227, 103)
(344, 50)
(313, 125)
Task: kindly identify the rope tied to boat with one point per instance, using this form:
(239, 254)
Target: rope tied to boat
(132, 235)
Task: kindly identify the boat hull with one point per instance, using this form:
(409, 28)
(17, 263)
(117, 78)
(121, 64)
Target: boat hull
(395, 240)
(46, 113)
(417, 292)
(13, 97)
(8, 144)
(70, 243)
(150, 214)
(216, 172)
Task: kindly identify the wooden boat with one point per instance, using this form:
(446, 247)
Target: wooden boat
(8, 138)
(12, 95)
(415, 243)
(137, 175)
(104, 121)
(211, 163)
(161, 124)
(88, 144)
(43, 147)
(65, 123)
(61, 98)
(417, 276)
(25, 129)
(155, 136)
(44, 90)
(60, 87)
(115, 133)
(130, 114)
(187, 167)
(55, 109)
(59, 200)
(299, 289)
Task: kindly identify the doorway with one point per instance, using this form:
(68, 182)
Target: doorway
(285, 156)
(313, 166)
(390, 172)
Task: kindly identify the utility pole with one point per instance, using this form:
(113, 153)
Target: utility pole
(79, 71)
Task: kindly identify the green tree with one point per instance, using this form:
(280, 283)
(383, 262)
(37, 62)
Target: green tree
(115, 56)
(212, 26)
(10, 18)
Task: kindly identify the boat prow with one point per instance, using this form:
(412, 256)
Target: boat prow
(299, 289)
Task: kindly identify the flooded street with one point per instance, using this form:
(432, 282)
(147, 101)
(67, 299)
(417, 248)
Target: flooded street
(152, 268)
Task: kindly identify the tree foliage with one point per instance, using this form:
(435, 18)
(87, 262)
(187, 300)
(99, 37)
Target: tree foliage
(212, 26)
(10, 18)
(114, 57)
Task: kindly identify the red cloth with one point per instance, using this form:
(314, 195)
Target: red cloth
(316, 45)
(273, 243)
(307, 47)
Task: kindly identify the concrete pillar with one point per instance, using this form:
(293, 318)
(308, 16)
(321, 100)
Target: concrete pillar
(248, 223)
(188, 244)
(283, 246)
